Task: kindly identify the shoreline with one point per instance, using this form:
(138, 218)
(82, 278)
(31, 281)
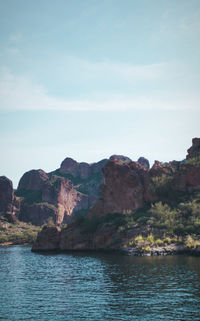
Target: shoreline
(169, 250)
(154, 251)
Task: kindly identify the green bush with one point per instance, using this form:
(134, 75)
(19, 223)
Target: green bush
(161, 184)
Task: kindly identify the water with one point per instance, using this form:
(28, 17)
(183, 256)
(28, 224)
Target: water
(97, 287)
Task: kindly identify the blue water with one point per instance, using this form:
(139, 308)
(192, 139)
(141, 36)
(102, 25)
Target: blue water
(97, 287)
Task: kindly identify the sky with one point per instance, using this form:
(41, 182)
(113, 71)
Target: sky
(90, 78)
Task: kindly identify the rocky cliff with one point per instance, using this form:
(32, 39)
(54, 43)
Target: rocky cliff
(58, 196)
(9, 203)
(139, 207)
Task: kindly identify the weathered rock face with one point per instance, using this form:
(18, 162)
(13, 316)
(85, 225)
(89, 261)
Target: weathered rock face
(48, 239)
(187, 179)
(38, 214)
(6, 195)
(68, 200)
(33, 180)
(124, 189)
(120, 158)
(194, 150)
(80, 170)
(129, 186)
(9, 204)
(70, 166)
(86, 178)
(74, 238)
(59, 195)
(144, 162)
(47, 197)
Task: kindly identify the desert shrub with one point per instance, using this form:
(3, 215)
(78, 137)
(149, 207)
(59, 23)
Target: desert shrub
(3, 238)
(191, 242)
(161, 184)
(50, 221)
(194, 161)
(188, 220)
(162, 216)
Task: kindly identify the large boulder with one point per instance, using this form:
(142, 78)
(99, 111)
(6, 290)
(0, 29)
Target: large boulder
(48, 239)
(70, 166)
(35, 179)
(124, 188)
(144, 162)
(120, 158)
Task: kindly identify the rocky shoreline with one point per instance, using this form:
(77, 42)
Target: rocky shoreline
(162, 251)
(175, 250)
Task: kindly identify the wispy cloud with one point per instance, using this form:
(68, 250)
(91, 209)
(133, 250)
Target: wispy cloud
(19, 92)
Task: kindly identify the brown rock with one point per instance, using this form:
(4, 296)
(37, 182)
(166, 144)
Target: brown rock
(144, 162)
(38, 214)
(194, 150)
(124, 188)
(9, 203)
(70, 166)
(187, 179)
(48, 239)
(49, 196)
(33, 180)
(120, 158)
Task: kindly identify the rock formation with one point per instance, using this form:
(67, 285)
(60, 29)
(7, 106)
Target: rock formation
(59, 195)
(128, 186)
(121, 159)
(144, 162)
(9, 204)
(194, 150)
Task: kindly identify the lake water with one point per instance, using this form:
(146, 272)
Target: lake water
(97, 287)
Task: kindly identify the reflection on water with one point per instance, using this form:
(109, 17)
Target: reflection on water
(97, 287)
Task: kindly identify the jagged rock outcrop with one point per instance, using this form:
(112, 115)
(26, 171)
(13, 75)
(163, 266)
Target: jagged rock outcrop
(86, 178)
(80, 170)
(9, 203)
(129, 186)
(144, 162)
(124, 188)
(194, 150)
(121, 159)
(38, 214)
(59, 195)
(48, 196)
(48, 239)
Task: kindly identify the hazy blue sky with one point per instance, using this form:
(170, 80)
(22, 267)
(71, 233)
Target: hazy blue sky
(90, 78)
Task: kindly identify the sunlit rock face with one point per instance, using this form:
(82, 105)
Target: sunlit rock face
(128, 186)
(61, 194)
(48, 196)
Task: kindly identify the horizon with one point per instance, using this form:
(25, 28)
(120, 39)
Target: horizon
(91, 79)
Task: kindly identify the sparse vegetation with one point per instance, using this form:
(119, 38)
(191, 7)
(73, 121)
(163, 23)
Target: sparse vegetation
(194, 161)
(161, 184)
(19, 233)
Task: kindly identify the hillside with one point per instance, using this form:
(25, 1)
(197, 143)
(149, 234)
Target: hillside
(140, 210)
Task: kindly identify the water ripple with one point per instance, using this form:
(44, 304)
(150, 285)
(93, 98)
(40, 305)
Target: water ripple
(97, 287)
